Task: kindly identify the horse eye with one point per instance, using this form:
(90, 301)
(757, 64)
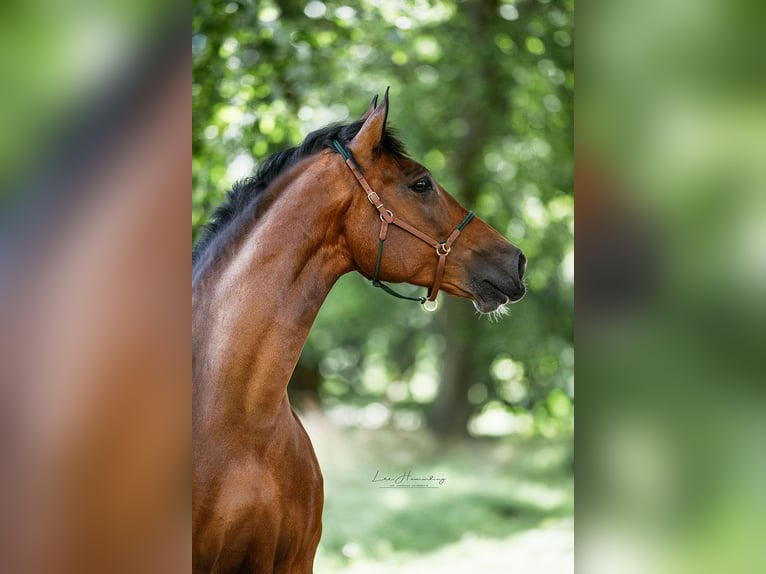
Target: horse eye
(422, 185)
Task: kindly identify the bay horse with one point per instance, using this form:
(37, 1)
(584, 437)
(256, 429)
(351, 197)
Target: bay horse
(260, 273)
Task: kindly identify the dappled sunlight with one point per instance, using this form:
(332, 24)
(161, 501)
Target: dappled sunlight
(371, 416)
(495, 419)
(544, 550)
(548, 549)
(502, 504)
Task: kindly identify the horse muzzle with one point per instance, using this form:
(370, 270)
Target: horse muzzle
(499, 279)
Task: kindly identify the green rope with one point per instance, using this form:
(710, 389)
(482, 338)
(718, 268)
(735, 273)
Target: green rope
(390, 291)
(465, 222)
(376, 283)
(377, 263)
(341, 149)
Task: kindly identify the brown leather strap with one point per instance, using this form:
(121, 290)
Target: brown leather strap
(442, 251)
(434, 291)
(451, 239)
(373, 197)
(417, 233)
(383, 229)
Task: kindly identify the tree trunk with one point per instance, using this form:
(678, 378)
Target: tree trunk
(449, 414)
(482, 102)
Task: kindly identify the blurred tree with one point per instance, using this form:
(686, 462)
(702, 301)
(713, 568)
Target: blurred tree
(483, 93)
(481, 103)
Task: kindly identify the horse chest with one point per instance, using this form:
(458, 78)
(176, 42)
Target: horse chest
(263, 514)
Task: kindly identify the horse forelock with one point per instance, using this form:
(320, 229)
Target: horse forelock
(248, 190)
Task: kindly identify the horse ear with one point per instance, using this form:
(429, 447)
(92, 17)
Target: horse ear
(373, 105)
(373, 129)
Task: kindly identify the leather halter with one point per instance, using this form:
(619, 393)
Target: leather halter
(387, 218)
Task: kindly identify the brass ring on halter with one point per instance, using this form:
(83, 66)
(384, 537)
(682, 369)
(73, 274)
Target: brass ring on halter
(444, 249)
(434, 305)
(391, 215)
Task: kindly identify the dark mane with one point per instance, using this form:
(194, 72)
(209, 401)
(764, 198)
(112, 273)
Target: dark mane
(248, 190)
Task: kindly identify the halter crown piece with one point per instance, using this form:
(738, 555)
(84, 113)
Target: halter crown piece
(387, 218)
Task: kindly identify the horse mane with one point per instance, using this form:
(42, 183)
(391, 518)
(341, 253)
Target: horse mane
(246, 191)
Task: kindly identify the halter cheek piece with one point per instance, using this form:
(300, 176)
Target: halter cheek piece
(387, 218)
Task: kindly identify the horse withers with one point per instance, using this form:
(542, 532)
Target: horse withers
(348, 198)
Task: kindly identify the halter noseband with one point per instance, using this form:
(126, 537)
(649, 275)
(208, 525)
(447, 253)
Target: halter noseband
(387, 218)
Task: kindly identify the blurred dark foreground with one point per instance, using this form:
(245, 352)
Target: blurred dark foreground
(95, 401)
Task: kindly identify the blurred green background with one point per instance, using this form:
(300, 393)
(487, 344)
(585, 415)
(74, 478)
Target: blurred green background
(482, 94)
(671, 207)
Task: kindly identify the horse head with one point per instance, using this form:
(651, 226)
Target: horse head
(482, 265)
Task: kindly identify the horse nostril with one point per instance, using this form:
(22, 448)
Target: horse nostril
(522, 265)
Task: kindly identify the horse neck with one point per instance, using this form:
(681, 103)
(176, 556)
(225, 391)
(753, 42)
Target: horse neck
(253, 312)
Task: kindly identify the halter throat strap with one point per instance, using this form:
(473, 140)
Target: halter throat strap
(387, 218)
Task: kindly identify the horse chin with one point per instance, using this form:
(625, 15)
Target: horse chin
(491, 300)
(496, 308)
